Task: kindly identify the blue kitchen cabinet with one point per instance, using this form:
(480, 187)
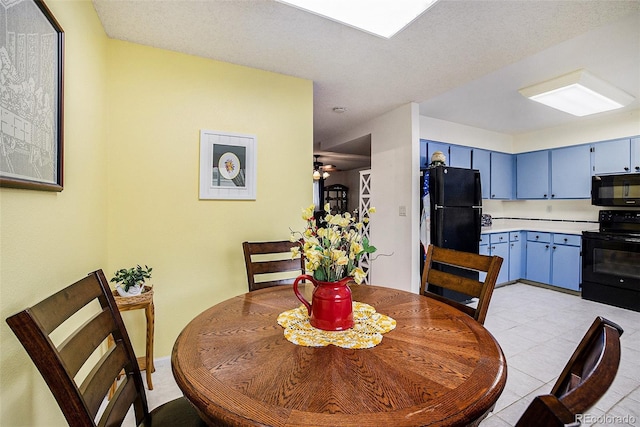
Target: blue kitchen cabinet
(635, 155)
(538, 257)
(484, 250)
(499, 245)
(532, 175)
(433, 146)
(516, 255)
(611, 156)
(501, 176)
(496, 244)
(481, 160)
(565, 261)
(459, 157)
(571, 172)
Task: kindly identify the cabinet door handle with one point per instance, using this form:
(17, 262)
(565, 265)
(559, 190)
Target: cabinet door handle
(546, 246)
(554, 247)
(626, 169)
(553, 195)
(544, 195)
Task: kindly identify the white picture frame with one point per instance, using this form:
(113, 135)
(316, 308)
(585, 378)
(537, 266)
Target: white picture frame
(227, 166)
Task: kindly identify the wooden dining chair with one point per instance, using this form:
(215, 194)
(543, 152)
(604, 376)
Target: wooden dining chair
(437, 271)
(583, 381)
(270, 264)
(79, 379)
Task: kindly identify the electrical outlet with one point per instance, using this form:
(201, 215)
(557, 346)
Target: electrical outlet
(402, 211)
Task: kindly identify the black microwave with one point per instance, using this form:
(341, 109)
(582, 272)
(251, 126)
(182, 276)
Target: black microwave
(616, 190)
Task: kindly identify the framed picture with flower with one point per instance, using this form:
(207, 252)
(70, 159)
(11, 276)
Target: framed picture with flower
(227, 165)
(31, 96)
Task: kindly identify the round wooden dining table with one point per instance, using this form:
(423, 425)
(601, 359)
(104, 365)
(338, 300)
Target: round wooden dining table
(437, 367)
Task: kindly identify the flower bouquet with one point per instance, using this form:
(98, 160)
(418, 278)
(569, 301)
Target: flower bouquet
(332, 246)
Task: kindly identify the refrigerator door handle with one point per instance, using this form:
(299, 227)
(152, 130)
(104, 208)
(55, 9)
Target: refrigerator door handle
(478, 187)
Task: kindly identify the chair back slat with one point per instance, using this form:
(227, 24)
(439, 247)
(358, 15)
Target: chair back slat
(77, 348)
(101, 377)
(455, 283)
(60, 365)
(279, 246)
(270, 264)
(445, 268)
(119, 404)
(463, 259)
(277, 266)
(53, 311)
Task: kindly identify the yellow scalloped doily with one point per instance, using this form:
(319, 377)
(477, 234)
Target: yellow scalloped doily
(367, 330)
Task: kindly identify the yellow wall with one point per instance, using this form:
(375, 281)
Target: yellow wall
(158, 103)
(132, 120)
(48, 240)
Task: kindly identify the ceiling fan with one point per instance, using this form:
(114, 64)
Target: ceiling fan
(320, 170)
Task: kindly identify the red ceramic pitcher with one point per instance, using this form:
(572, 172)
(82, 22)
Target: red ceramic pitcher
(331, 307)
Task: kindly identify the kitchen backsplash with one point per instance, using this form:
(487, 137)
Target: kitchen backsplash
(573, 210)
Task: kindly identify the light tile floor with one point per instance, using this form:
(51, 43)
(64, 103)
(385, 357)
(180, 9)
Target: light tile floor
(538, 330)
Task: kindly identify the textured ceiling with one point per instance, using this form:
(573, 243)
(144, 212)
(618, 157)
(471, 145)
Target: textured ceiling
(463, 60)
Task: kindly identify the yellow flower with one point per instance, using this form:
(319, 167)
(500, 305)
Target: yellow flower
(372, 210)
(356, 247)
(295, 252)
(307, 213)
(358, 275)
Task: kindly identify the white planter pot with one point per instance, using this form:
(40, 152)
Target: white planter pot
(133, 291)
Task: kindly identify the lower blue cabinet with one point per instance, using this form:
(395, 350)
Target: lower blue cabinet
(497, 244)
(516, 255)
(554, 258)
(538, 257)
(565, 261)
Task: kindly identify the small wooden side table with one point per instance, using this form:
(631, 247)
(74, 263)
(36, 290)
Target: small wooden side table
(142, 301)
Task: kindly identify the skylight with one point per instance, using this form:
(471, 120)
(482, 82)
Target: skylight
(384, 18)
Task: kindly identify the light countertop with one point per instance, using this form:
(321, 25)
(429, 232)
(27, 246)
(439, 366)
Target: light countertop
(543, 226)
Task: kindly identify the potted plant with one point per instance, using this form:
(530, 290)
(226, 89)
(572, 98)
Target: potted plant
(130, 281)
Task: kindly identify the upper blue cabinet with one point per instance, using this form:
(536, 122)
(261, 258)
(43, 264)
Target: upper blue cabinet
(501, 176)
(532, 175)
(481, 160)
(561, 173)
(612, 156)
(558, 173)
(457, 155)
(635, 155)
(570, 172)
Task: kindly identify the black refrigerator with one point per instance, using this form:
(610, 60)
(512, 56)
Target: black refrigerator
(454, 199)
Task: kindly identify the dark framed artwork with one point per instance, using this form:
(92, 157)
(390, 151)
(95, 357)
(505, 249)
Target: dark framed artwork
(31, 96)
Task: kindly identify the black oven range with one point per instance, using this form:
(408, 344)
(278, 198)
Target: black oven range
(611, 260)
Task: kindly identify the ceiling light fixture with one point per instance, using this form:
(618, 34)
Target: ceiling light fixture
(318, 170)
(579, 93)
(384, 18)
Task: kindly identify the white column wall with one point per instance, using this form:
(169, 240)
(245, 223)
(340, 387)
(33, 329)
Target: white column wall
(395, 157)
